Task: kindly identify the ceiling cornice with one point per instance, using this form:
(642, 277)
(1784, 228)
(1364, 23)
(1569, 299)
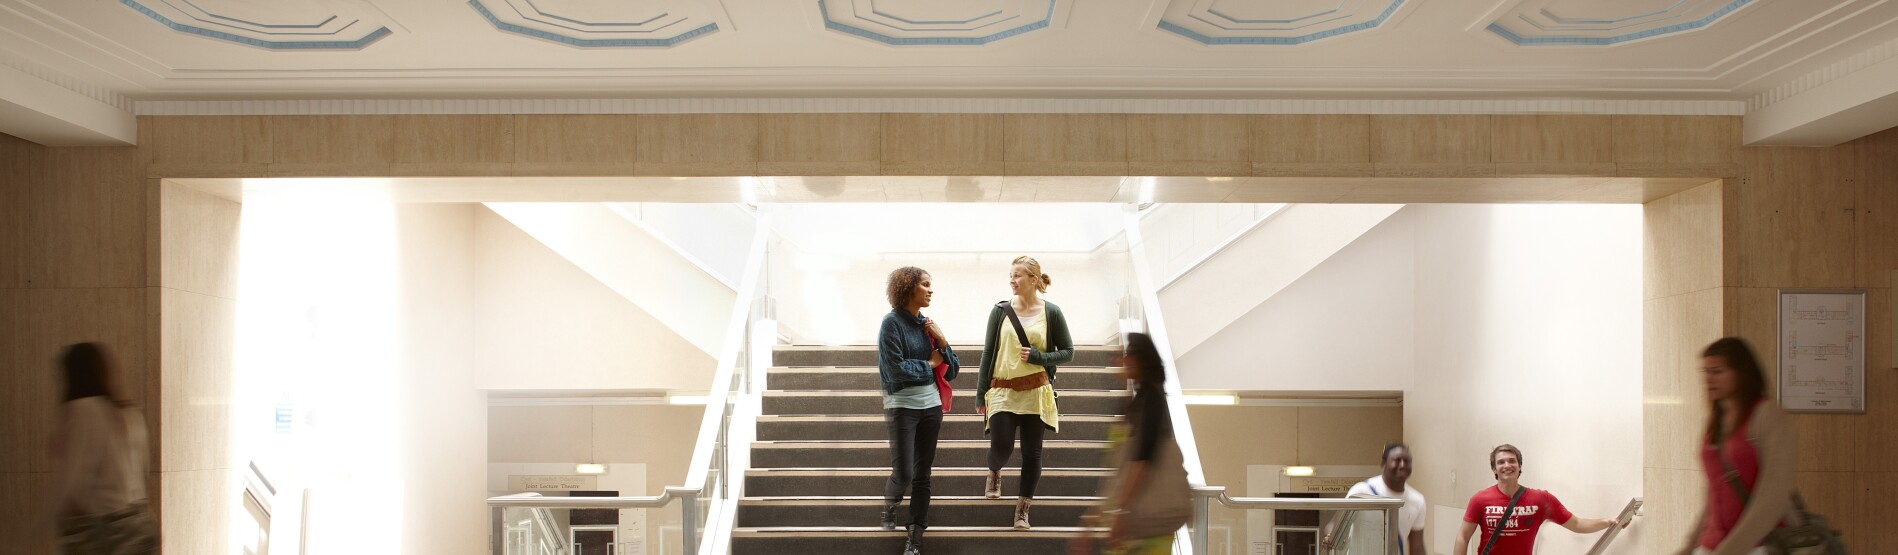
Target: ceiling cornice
(933, 105)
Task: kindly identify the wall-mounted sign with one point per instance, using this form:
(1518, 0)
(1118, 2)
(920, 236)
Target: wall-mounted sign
(1317, 484)
(516, 482)
(1822, 350)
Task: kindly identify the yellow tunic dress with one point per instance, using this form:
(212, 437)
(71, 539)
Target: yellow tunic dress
(1009, 365)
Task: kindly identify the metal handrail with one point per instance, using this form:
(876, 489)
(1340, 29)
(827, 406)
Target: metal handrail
(1627, 514)
(717, 408)
(1203, 495)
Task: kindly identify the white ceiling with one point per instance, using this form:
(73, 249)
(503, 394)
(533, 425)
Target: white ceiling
(121, 52)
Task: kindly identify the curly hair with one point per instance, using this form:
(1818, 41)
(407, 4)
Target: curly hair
(902, 285)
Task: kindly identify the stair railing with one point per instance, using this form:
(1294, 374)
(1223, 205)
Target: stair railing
(707, 502)
(1204, 496)
(1627, 515)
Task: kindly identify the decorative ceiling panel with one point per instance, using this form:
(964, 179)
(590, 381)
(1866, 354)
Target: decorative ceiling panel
(1218, 22)
(1607, 22)
(278, 25)
(599, 23)
(925, 22)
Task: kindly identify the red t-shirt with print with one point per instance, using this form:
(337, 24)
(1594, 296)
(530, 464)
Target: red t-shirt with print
(1519, 534)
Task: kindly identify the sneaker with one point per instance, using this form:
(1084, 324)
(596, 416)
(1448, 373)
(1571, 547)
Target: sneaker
(993, 488)
(1021, 513)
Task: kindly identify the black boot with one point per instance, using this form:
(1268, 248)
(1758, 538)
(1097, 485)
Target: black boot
(915, 544)
(889, 515)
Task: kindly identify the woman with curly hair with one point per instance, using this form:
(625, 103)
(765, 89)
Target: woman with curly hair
(1016, 384)
(911, 353)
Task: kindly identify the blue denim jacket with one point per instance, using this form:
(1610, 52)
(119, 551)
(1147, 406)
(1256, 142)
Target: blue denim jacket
(903, 353)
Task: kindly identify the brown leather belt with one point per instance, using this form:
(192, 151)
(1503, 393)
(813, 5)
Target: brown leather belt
(1023, 383)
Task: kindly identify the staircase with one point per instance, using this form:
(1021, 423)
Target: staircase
(822, 458)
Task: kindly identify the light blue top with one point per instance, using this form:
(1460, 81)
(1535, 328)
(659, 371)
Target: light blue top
(913, 397)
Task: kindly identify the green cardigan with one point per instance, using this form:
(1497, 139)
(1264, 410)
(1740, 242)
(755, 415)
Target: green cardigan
(1057, 337)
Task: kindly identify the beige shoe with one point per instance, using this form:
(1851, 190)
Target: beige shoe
(1021, 513)
(993, 488)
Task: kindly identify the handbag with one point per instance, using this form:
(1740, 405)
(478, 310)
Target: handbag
(1165, 502)
(127, 531)
(943, 389)
(1813, 535)
(1508, 511)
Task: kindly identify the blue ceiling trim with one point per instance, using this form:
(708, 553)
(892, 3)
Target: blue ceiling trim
(1574, 21)
(537, 10)
(316, 25)
(1282, 41)
(1001, 21)
(824, 11)
(965, 21)
(588, 43)
(1226, 27)
(357, 44)
(1520, 40)
(1215, 11)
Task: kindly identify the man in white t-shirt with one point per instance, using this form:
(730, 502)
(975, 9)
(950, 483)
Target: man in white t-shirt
(1392, 484)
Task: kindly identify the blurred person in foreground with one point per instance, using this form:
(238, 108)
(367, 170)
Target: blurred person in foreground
(99, 453)
(1148, 498)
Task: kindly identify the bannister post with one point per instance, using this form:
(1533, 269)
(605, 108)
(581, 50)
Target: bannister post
(497, 531)
(1202, 523)
(1391, 531)
(689, 528)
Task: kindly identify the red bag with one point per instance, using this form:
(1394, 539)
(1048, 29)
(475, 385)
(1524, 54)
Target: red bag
(942, 384)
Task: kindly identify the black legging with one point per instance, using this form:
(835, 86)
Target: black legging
(912, 450)
(1002, 426)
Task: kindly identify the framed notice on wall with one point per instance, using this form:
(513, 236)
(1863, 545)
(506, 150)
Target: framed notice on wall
(1822, 350)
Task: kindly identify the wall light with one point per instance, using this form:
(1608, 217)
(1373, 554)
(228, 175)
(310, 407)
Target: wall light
(1300, 471)
(1195, 399)
(589, 468)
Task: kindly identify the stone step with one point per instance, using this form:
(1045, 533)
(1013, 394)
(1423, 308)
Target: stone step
(852, 378)
(860, 454)
(943, 511)
(865, 355)
(939, 540)
(873, 427)
(870, 402)
(945, 481)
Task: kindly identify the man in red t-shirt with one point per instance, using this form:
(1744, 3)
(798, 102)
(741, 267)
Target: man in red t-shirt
(1518, 535)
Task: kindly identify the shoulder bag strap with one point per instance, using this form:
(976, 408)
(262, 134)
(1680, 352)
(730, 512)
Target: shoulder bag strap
(1732, 475)
(1020, 335)
(1508, 511)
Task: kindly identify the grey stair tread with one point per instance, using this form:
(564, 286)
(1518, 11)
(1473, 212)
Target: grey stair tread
(849, 393)
(771, 418)
(934, 531)
(938, 471)
(859, 355)
(933, 500)
(865, 378)
(940, 444)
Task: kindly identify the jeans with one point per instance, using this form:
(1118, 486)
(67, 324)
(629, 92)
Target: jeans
(912, 450)
(1002, 428)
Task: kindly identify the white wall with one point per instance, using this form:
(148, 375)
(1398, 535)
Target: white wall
(1345, 326)
(838, 299)
(714, 235)
(859, 229)
(1528, 331)
(543, 323)
(1179, 234)
(355, 377)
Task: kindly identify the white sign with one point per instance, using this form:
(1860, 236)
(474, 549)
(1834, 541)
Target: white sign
(1314, 484)
(552, 483)
(1822, 351)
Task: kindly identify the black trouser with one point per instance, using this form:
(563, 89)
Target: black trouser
(1002, 428)
(912, 450)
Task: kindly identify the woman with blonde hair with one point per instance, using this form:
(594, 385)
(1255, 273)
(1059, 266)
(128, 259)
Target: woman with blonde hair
(1026, 339)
